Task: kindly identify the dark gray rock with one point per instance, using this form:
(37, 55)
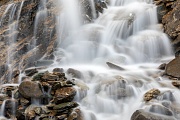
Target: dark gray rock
(114, 66)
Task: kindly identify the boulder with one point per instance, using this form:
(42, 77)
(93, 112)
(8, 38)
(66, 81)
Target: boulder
(74, 73)
(29, 89)
(144, 115)
(153, 93)
(160, 110)
(168, 95)
(65, 94)
(58, 70)
(173, 68)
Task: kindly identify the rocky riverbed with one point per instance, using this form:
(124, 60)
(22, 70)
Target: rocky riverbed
(43, 96)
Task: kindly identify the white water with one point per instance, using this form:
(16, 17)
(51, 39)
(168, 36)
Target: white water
(126, 34)
(40, 16)
(13, 21)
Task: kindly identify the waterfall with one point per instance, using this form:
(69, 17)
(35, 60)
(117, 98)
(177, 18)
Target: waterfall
(117, 53)
(126, 34)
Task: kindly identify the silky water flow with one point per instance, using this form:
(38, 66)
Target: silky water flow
(126, 34)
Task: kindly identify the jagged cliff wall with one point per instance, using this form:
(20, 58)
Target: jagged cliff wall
(20, 52)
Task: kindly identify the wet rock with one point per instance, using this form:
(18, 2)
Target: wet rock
(81, 85)
(29, 89)
(31, 111)
(175, 107)
(162, 66)
(65, 94)
(171, 23)
(153, 93)
(76, 115)
(21, 50)
(20, 114)
(3, 97)
(168, 95)
(143, 115)
(30, 71)
(173, 68)
(45, 110)
(114, 66)
(60, 70)
(38, 77)
(60, 84)
(37, 110)
(24, 101)
(65, 106)
(160, 110)
(62, 117)
(60, 75)
(50, 77)
(176, 83)
(74, 73)
(3, 69)
(15, 73)
(138, 83)
(10, 107)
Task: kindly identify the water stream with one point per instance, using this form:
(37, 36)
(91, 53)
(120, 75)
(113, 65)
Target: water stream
(126, 34)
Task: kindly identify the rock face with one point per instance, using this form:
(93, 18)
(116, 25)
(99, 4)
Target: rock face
(173, 68)
(168, 11)
(27, 42)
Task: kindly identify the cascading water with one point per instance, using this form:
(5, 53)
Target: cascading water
(126, 34)
(41, 15)
(117, 56)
